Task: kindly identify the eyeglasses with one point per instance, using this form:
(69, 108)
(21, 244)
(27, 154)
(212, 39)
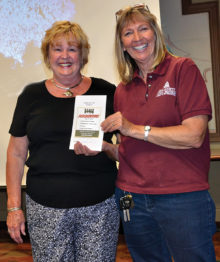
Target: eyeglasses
(137, 6)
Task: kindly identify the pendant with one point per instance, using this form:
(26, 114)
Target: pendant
(68, 93)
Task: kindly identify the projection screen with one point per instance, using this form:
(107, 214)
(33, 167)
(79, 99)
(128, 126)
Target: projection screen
(22, 26)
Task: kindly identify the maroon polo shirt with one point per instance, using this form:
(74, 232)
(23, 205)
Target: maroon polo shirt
(174, 91)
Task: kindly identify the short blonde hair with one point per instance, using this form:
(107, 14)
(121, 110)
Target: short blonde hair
(65, 28)
(125, 63)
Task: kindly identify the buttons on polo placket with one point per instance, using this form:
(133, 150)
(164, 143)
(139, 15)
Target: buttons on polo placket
(148, 85)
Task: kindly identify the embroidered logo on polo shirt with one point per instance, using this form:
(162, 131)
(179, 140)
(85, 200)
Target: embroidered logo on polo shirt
(167, 90)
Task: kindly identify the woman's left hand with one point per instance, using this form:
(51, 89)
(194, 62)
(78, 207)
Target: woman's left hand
(81, 149)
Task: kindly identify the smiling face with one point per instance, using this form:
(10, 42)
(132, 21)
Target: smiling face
(138, 40)
(65, 57)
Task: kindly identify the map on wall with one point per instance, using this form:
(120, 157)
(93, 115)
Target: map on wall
(25, 21)
(22, 25)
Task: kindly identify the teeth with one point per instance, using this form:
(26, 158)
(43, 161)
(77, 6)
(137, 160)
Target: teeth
(140, 47)
(67, 64)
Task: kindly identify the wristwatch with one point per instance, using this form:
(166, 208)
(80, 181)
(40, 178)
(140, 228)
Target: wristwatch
(147, 129)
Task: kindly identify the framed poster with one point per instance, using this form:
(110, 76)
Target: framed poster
(211, 74)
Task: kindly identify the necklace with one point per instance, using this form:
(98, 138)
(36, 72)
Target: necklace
(68, 93)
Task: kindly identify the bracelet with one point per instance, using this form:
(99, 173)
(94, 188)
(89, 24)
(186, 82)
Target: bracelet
(13, 209)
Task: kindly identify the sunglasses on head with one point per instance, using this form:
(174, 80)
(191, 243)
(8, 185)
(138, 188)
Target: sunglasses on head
(137, 6)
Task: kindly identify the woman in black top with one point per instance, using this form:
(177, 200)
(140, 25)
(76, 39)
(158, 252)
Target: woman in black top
(71, 211)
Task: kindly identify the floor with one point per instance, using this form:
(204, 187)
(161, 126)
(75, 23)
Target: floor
(11, 252)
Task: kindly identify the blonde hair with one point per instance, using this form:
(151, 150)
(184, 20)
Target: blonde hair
(125, 63)
(65, 28)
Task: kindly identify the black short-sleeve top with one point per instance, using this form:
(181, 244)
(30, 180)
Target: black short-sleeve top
(57, 177)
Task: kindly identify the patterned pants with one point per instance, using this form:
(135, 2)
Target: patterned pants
(85, 234)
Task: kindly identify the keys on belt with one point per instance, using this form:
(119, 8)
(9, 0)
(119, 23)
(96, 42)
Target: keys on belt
(126, 202)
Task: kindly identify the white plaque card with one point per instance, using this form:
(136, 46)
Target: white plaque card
(88, 114)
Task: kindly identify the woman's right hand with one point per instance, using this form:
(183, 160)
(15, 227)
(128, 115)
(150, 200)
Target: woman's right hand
(117, 121)
(16, 225)
(81, 149)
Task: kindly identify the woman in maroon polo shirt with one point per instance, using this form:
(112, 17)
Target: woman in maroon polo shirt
(162, 112)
